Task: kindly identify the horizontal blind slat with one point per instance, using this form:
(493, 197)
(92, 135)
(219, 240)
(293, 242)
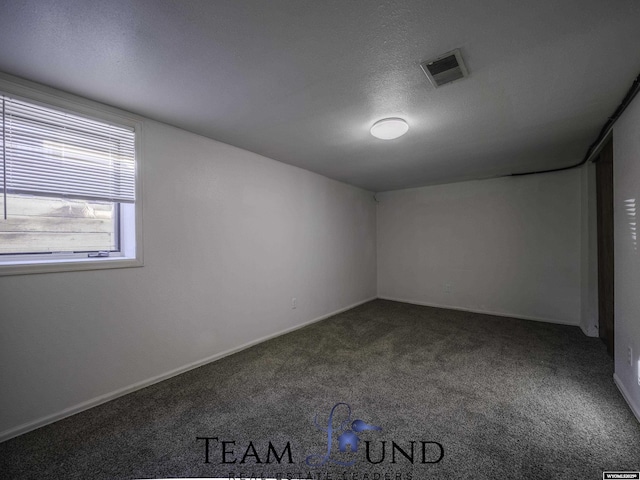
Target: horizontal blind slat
(61, 136)
(95, 175)
(58, 117)
(54, 178)
(42, 160)
(76, 196)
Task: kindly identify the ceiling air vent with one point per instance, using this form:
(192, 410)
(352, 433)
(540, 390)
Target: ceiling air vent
(445, 69)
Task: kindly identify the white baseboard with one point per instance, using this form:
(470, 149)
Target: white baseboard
(94, 402)
(625, 394)
(475, 310)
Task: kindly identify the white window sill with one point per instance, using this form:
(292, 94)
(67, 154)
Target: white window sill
(66, 265)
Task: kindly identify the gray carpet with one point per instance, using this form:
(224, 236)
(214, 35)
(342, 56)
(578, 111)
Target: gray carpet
(504, 398)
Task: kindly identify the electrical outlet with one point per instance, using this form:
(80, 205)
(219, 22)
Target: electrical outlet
(294, 303)
(447, 287)
(630, 356)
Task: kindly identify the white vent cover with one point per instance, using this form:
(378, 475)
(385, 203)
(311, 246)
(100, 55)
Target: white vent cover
(445, 69)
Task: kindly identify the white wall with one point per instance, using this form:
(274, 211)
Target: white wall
(229, 238)
(626, 181)
(508, 246)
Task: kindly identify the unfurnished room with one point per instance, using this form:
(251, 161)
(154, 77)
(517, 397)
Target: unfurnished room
(319, 239)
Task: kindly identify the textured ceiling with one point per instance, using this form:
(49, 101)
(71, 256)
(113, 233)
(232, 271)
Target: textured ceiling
(302, 81)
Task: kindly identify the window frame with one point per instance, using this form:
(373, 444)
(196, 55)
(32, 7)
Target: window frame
(131, 238)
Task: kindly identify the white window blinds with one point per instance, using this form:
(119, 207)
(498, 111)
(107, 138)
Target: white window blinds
(47, 152)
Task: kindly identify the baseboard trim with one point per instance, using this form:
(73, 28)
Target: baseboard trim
(484, 312)
(627, 397)
(94, 402)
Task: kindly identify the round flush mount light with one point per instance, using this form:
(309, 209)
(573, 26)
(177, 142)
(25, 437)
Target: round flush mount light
(389, 128)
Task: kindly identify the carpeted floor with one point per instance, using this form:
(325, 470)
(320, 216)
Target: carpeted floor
(504, 398)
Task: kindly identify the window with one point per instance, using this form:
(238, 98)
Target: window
(68, 183)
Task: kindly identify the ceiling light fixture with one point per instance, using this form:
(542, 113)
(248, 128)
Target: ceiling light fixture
(389, 128)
